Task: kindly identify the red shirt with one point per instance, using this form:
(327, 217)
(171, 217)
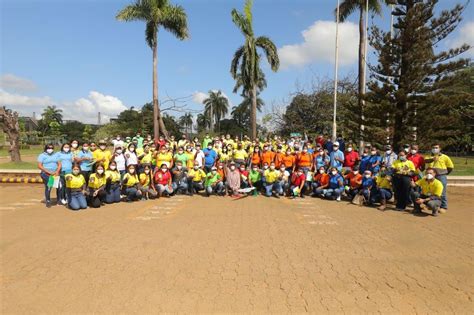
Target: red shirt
(297, 180)
(354, 180)
(417, 159)
(162, 178)
(351, 158)
(245, 173)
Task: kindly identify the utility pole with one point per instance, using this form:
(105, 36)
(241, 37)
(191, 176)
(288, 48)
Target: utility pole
(363, 79)
(334, 123)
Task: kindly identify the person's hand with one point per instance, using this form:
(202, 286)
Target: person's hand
(68, 177)
(419, 201)
(56, 173)
(95, 193)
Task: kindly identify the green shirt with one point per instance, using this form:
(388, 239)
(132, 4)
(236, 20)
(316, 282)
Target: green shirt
(255, 176)
(205, 142)
(183, 157)
(211, 179)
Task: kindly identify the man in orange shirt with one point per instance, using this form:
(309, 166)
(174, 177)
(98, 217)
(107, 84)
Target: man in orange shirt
(267, 155)
(279, 157)
(304, 160)
(320, 182)
(353, 181)
(289, 160)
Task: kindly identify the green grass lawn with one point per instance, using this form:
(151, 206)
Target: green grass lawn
(18, 166)
(463, 166)
(33, 150)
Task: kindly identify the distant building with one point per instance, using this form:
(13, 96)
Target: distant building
(30, 123)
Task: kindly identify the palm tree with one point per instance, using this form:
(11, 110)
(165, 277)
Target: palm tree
(156, 14)
(346, 8)
(52, 113)
(186, 121)
(203, 122)
(245, 65)
(241, 112)
(216, 107)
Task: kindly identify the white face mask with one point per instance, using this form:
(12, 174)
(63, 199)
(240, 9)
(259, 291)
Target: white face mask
(180, 152)
(100, 171)
(349, 149)
(66, 150)
(356, 172)
(196, 168)
(85, 148)
(113, 167)
(305, 150)
(242, 169)
(102, 147)
(367, 175)
(321, 171)
(265, 167)
(76, 172)
(413, 152)
(389, 151)
(49, 151)
(334, 172)
(299, 174)
(272, 167)
(373, 152)
(164, 170)
(335, 148)
(429, 176)
(119, 151)
(232, 167)
(435, 151)
(214, 172)
(255, 169)
(179, 167)
(147, 171)
(74, 145)
(209, 148)
(131, 149)
(131, 171)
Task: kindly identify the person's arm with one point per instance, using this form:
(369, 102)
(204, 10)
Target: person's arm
(58, 169)
(302, 184)
(40, 166)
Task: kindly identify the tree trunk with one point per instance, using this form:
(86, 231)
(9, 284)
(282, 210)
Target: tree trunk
(362, 39)
(11, 127)
(253, 114)
(211, 117)
(156, 108)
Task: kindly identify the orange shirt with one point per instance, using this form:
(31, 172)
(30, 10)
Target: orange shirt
(322, 179)
(354, 180)
(256, 159)
(267, 157)
(288, 160)
(279, 159)
(221, 172)
(303, 159)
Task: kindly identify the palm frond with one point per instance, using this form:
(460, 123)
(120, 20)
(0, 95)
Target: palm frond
(150, 33)
(242, 23)
(174, 20)
(248, 10)
(346, 8)
(236, 61)
(132, 12)
(270, 50)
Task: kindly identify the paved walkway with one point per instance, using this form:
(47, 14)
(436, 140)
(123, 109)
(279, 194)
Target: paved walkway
(218, 255)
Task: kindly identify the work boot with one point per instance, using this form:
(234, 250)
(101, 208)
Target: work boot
(435, 212)
(382, 205)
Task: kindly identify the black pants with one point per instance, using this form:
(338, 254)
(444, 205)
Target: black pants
(402, 190)
(95, 202)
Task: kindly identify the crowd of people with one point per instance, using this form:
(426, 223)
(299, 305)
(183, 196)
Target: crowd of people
(108, 171)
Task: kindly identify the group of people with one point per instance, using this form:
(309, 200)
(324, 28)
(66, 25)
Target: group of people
(140, 168)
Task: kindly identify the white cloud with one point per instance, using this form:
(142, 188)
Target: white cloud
(84, 109)
(465, 35)
(199, 97)
(12, 82)
(318, 45)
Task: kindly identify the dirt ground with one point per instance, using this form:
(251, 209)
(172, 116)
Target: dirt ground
(216, 254)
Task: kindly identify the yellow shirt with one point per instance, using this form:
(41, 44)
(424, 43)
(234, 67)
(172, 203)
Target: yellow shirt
(96, 182)
(224, 157)
(197, 175)
(113, 175)
(383, 182)
(147, 158)
(145, 180)
(441, 165)
(404, 167)
(139, 151)
(75, 181)
(98, 155)
(131, 180)
(240, 154)
(271, 176)
(190, 162)
(165, 158)
(434, 188)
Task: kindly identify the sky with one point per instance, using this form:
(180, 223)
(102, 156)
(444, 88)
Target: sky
(75, 55)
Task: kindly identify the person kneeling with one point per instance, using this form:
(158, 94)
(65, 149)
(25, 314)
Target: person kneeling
(76, 189)
(130, 184)
(297, 184)
(383, 189)
(195, 180)
(162, 181)
(429, 197)
(335, 186)
(272, 182)
(146, 184)
(97, 183)
(112, 188)
(213, 183)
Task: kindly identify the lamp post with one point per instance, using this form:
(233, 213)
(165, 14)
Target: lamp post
(334, 123)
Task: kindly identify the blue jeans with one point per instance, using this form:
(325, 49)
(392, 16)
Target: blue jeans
(47, 190)
(113, 194)
(269, 188)
(444, 199)
(133, 194)
(333, 192)
(181, 186)
(77, 201)
(218, 188)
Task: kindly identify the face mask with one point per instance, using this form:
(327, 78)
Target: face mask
(299, 174)
(373, 152)
(272, 167)
(413, 152)
(406, 150)
(435, 151)
(189, 150)
(429, 176)
(131, 171)
(209, 148)
(389, 151)
(66, 150)
(220, 166)
(321, 171)
(334, 172)
(113, 167)
(74, 145)
(255, 169)
(196, 168)
(232, 167)
(147, 171)
(102, 147)
(85, 148)
(119, 151)
(335, 148)
(403, 158)
(49, 151)
(242, 169)
(131, 149)
(367, 175)
(179, 167)
(355, 172)
(364, 154)
(100, 171)
(265, 167)
(164, 170)
(305, 150)
(349, 149)
(76, 172)
(214, 172)
(118, 138)
(180, 152)
(288, 153)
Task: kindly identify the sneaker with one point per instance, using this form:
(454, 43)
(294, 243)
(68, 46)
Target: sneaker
(302, 196)
(48, 204)
(381, 208)
(442, 210)
(435, 212)
(338, 198)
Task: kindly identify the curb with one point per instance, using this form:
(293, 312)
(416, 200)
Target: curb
(21, 180)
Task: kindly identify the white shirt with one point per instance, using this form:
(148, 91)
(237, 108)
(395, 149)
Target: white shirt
(200, 158)
(117, 143)
(120, 160)
(131, 158)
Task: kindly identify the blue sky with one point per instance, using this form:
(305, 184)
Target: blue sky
(75, 55)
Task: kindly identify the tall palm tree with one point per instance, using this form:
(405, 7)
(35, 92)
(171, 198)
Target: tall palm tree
(203, 122)
(346, 8)
(186, 121)
(52, 113)
(156, 14)
(246, 61)
(216, 107)
(241, 112)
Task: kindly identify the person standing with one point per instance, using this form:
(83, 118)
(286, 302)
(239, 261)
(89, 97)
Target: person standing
(50, 165)
(102, 155)
(304, 161)
(65, 157)
(210, 157)
(351, 157)
(389, 157)
(85, 160)
(139, 140)
(417, 159)
(336, 157)
(119, 158)
(430, 195)
(443, 165)
(374, 161)
(403, 171)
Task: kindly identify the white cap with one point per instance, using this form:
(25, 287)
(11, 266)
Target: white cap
(336, 143)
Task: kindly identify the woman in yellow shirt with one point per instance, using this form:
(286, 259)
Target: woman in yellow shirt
(97, 183)
(75, 188)
(146, 183)
(164, 157)
(130, 184)
(112, 188)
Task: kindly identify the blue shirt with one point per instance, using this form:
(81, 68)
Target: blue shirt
(372, 160)
(86, 166)
(337, 164)
(334, 181)
(328, 146)
(66, 162)
(367, 182)
(364, 164)
(49, 161)
(210, 156)
(321, 161)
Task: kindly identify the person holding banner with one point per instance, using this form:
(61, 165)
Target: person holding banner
(50, 166)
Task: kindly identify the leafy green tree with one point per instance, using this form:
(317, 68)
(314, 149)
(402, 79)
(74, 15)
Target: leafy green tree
(52, 113)
(173, 125)
(156, 14)
(87, 133)
(73, 130)
(412, 71)
(215, 107)
(186, 121)
(203, 122)
(245, 64)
